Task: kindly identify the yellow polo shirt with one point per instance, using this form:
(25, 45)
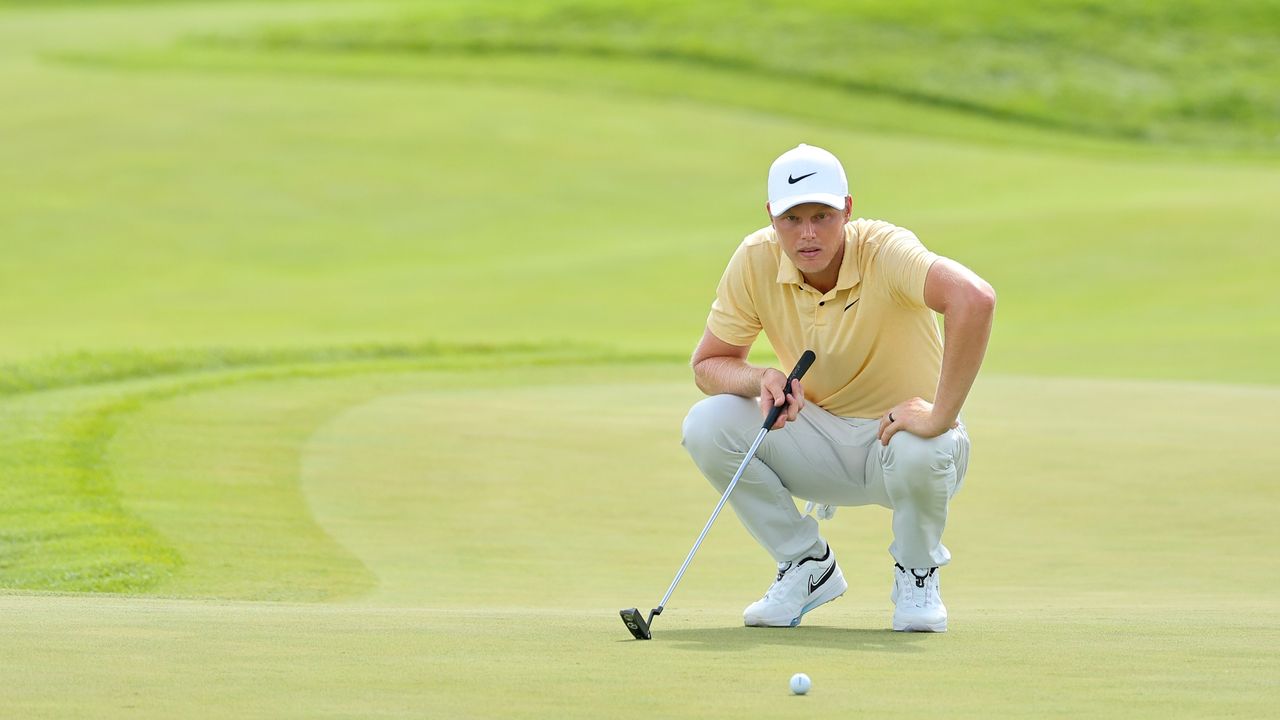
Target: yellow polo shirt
(876, 341)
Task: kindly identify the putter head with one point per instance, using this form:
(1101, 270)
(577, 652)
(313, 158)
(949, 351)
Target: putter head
(636, 623)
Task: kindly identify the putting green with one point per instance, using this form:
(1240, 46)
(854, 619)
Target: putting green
(475, 533)
(433, 481)
(130, 658)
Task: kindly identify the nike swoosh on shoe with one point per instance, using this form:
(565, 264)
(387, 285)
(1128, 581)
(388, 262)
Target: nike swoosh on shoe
(822, 580)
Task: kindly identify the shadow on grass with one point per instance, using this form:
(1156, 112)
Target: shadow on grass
(723, 639)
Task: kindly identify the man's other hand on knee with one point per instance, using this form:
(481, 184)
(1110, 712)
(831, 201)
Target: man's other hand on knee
(916, 416)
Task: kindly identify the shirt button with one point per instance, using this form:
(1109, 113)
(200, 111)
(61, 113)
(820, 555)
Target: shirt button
(824, 302)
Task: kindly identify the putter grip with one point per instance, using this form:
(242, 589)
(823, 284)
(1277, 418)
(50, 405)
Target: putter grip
(802, 367)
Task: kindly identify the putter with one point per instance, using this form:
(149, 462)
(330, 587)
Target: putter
(635, 620)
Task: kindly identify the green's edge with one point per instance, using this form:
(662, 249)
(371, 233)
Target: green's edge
(66, 529)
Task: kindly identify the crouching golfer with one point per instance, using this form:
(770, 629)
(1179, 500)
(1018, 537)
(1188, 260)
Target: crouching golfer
(877, 419)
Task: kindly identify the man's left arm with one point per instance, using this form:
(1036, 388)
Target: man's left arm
(967, 304)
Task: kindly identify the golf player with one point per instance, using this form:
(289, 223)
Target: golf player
(876, 420)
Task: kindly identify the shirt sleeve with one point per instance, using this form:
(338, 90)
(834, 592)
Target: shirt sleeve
(904, 264)
(734, 317)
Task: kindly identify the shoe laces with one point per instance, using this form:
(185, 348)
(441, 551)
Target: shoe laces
(918, 586)
(783, 569)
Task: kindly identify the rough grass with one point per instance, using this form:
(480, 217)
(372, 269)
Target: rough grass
(1182, 72)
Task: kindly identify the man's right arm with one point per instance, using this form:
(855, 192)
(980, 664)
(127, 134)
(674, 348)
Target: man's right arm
(719, 367)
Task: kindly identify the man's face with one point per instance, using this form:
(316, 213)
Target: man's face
(812, 235)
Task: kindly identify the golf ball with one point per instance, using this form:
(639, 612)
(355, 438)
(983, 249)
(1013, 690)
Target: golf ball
(800, 683)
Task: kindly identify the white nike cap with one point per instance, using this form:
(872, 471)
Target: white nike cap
(806, 174)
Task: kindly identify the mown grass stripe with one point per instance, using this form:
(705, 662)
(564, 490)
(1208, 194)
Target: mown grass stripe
(62, 525)
(97, 367)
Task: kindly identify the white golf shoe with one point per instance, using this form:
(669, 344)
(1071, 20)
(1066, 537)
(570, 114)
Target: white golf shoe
(917, 604)
(801, 586)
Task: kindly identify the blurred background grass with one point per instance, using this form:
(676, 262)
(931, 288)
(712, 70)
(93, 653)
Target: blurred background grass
(1182, 72)
(293, 174)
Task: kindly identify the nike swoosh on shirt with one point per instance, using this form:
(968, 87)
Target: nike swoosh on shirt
(825, 577)
(846, 307)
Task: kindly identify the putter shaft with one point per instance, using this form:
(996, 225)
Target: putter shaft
(714, 513)
(636, 623)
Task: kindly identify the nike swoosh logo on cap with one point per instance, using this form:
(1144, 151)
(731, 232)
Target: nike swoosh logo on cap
(794, 180)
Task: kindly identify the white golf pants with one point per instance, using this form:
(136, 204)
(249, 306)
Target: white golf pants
(830, 460)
